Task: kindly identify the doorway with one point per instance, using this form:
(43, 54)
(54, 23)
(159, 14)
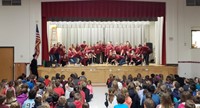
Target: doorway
(7, 63)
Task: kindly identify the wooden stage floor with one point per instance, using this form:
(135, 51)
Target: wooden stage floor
(98, 73)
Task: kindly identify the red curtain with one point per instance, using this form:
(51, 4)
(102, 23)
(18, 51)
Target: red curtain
(124, 10)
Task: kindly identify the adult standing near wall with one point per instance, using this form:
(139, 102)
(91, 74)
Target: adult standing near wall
(33, 65)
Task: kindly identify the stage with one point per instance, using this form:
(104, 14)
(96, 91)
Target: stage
(98, 73)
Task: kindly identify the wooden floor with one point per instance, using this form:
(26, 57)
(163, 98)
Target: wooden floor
(99, 73)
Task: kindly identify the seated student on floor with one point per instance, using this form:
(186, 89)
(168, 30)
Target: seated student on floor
(89, 86)
(2, 100)
(120, 101)
(30, 102)
(59, 90)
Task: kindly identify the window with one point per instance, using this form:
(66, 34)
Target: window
(195, 38)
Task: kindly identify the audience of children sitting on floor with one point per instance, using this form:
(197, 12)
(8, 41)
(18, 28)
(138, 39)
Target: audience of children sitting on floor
(76, 92)
(58, 92)
(152, 92)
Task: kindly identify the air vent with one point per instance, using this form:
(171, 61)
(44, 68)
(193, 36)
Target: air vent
(11, 2)
(192, 2)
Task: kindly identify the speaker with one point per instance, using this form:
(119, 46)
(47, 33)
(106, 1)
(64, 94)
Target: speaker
(11, 2)
(150, 45)
(192, 2)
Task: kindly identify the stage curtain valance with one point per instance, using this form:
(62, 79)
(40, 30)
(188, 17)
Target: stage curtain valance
(99, 10)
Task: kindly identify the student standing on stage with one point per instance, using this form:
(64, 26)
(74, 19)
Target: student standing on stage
(97, 50)
(146, 51)
(58, 52)
(52, 53)
(118, 48)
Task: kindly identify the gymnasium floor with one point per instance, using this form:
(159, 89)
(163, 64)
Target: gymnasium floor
(99, 97)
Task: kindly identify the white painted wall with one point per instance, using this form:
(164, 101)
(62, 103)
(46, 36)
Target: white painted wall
(18, 26)
(18, 30)
(179, 20)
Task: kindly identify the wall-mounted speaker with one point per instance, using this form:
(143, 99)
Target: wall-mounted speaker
(192, 2)
(11, 2)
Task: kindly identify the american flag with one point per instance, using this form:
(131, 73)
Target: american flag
(37, 41)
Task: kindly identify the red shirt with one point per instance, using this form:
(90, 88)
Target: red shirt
(138, 51)
(52, 51)
(78, 104)
(126, 48)
(103, 47)
(3, 106)
(46, 82)
(118, 57)
(78, 48)
(118, 49)
(83, 96)
(59, 91)
(89, 50)
(58, 50)
(108, 48)
(110, 57)
(70, 54)
(145, 50)
(83, 46)
(62, 52)
(97, 49)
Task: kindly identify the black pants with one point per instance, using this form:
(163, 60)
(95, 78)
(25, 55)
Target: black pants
(63, 63)
(36, 74)
(57, 56)
(146, 58)
(97, 59)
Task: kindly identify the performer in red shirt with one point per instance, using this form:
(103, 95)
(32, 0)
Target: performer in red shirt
(146, 51)
(111, 57)
(133, 58)
(108, 48)
(120, 60)
(138, 51)
(77, 48)
(83, 45)
(85, 58)
(90, 52)
(64, 60)
(118, 48)
(129, 58)
(97, 51)
(52, 52)
(103, 49)
(62, 53)
(57, 53)
(71, 55)
(127, 46)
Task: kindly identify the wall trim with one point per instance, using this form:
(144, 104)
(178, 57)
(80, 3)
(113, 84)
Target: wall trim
(195, 62)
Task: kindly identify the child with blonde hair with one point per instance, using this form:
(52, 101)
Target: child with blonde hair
(128, 100)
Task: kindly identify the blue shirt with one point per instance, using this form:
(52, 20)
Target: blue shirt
(121, 106)
(29, 103)
(156, 99)
(198, 86)
(30, 85)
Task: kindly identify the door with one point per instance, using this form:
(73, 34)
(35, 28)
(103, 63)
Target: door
(7, 63)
